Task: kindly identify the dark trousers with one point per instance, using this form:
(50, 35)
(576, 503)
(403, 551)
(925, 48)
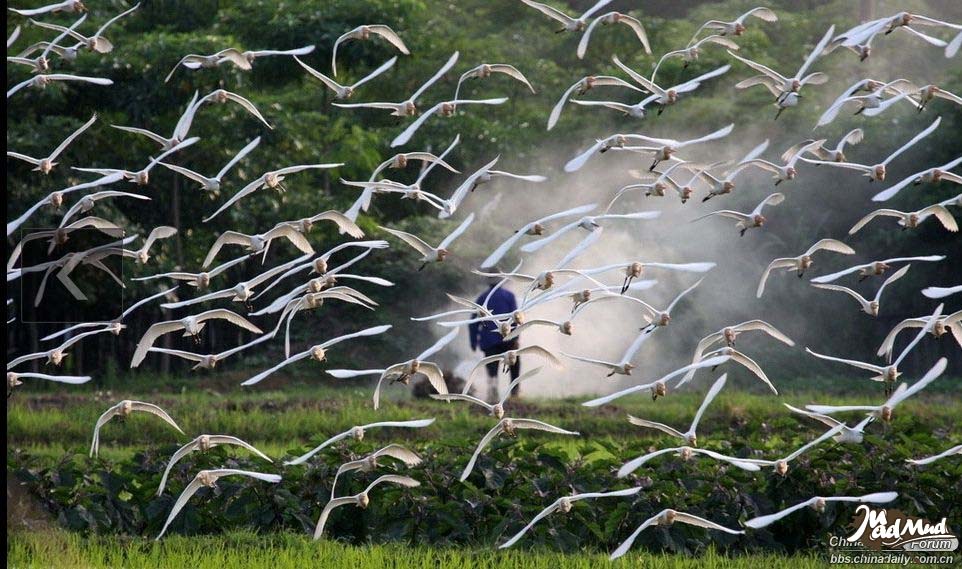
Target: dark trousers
(493, 366)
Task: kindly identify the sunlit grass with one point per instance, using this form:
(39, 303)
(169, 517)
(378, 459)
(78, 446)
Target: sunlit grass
(278, 421)
(294, 551)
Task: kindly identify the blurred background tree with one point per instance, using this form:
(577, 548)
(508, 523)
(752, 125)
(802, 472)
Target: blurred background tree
(307, 129)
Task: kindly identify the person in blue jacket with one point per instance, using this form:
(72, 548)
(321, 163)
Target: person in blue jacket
(485, 335)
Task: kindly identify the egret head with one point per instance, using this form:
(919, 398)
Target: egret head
(447, 109)
(729, 335)
(56, 199)
(60, 236)
(659, 390)
(56, 357)
(886, 414)
(939, 328)
(318, 353)
(207, 478)
(586, 84)
(320, 265)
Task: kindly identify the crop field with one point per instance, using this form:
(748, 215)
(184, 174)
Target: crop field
(111, 506)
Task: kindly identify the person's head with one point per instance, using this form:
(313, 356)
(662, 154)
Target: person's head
(493, 281)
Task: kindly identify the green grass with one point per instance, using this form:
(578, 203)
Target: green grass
(61, 423)
(292, 551)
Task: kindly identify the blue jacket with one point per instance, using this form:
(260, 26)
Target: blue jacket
(485, 335)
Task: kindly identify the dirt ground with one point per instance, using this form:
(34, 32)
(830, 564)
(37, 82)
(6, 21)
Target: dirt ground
(24, 512)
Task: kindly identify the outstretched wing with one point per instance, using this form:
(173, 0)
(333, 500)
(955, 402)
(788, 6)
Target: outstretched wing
(457, 232)
(186, 495)
(485, 440)
(434, 78)
(414, 241)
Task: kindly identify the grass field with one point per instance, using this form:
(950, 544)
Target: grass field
(289, 551)
(52, 423)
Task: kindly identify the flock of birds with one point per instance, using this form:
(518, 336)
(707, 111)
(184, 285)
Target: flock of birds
(320, 279)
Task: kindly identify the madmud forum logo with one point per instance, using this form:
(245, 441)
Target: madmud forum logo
(891, 536)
